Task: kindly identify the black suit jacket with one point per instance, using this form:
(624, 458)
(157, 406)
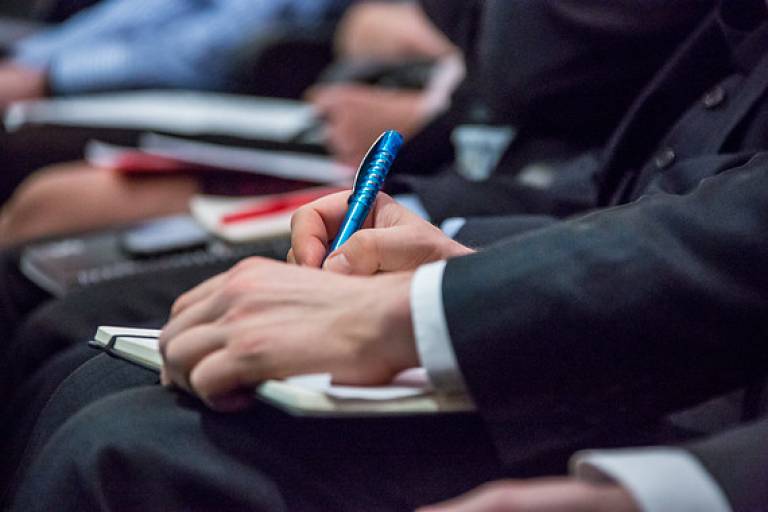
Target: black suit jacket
(656, 301)
(562, 71)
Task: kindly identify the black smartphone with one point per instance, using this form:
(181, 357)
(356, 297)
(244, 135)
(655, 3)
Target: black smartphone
(164, 236)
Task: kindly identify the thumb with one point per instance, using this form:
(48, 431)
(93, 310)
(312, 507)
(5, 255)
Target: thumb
(386, 249)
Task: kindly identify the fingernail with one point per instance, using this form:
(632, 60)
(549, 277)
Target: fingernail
(338, 263)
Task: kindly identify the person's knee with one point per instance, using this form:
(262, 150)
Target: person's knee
(41, 204)
(75, 197)
(140, 450)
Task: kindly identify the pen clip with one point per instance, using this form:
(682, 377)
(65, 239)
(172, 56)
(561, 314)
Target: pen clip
(365, 162)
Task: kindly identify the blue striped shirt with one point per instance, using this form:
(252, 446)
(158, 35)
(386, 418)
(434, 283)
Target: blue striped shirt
(125, 44)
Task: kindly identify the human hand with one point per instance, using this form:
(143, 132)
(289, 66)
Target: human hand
(543, 495)
(355, 115)
(400, 240)
(387, 31)
(264, 319)
(20, 83)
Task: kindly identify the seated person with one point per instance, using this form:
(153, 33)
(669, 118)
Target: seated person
(132, 44)
(37, 208)
(127, 44)
(582, 333)
(355, 113)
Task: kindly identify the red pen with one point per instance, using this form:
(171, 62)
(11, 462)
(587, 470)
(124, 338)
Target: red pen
(283, 204)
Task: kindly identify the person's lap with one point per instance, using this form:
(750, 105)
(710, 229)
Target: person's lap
(69, 381)
(153, 449)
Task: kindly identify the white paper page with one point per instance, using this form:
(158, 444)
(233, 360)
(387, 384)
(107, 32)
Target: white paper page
(410, 383)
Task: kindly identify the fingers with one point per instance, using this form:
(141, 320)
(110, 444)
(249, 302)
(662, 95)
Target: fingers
(224, 381)
(185, 351)
(314, 225)
(197, 294)
(311, 226)
(201, 312)
(398, 248)
(540, 495)
(499, 496)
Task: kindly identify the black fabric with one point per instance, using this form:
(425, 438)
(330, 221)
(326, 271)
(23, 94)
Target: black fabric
(47, 395)
(260, 460)
(592, 322)
(737, 460)
(572, 67)
(563, 73)
(485, 231)
(456, 19)
(18, 296)
(58, 324)
(31, 148)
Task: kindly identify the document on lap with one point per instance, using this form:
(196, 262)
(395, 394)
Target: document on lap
(305, 395)
(158, 153)
(181, 113)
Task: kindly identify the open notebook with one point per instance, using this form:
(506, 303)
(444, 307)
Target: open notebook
(305, 395)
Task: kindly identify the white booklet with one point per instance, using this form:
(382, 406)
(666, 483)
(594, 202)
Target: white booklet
(180, 112)
(305, 395)
(280, 164)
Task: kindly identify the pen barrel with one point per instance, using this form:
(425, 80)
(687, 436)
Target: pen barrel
(368, 185)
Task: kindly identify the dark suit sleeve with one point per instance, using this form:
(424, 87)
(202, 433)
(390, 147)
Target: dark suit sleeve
(620, 315)
(738, 461)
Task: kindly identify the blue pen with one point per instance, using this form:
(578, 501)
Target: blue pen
(368, 181)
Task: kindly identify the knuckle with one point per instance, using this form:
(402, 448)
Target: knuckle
(243, 341)
(180, 303)
(173, 351)
(233, 314)
(299, 216)
(363, 242)
(246, 265)
(200, 387)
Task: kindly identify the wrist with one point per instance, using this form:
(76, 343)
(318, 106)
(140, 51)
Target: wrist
(395, 327)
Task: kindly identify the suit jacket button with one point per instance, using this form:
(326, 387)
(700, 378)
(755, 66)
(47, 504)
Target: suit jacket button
(665, 158)
(713, 98)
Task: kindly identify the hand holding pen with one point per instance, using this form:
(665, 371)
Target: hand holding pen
(399, 240)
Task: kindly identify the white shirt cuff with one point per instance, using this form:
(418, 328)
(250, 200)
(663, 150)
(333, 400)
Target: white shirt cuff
(659, 479)
(430, 327)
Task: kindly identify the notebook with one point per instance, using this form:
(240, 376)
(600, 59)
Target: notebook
(177, 112)
(248, 219)
(305, 395)
(158, 153)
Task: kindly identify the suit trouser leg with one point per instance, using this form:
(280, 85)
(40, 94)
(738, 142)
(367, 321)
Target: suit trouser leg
(67, 383)
(50, 344)
(152, 449)
(18, 295)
